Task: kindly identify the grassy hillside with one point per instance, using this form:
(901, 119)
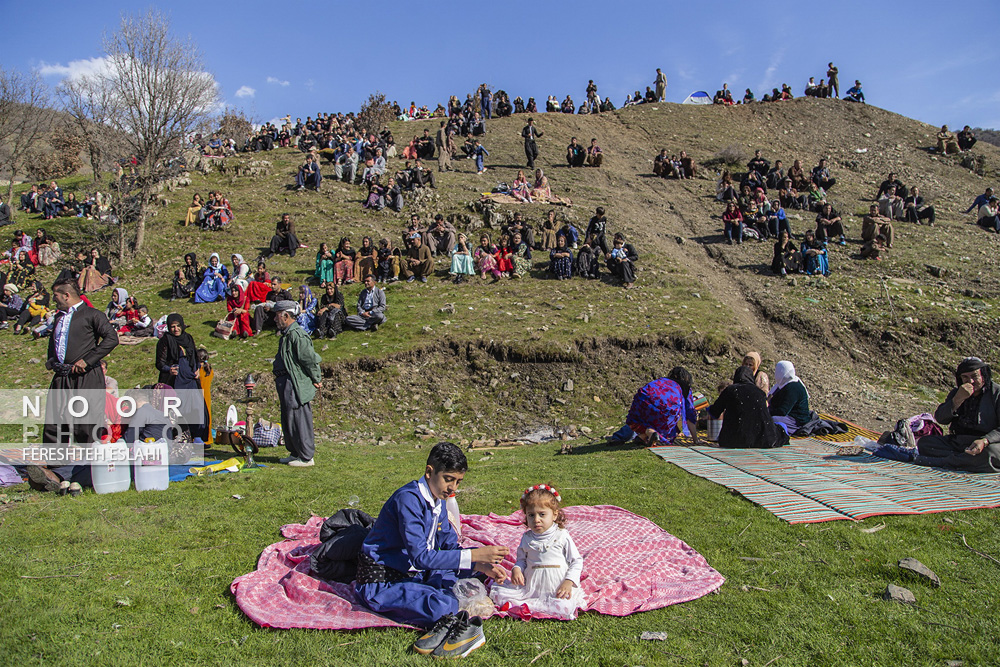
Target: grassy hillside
(875, 341)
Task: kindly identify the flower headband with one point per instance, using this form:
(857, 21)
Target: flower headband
(542, 487)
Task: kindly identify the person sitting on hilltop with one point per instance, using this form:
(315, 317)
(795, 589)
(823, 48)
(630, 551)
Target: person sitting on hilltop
(829, 225)
(891, 180)
(621, 261)
(519, 188)
(966, 139)
(821, 175)
(541, 190)
(561, 260)
(218, 213)
(374, 168)
(732, 220)
(786, 92)
(724, 96)
(947, 142)
(815, 258)
(777, 220)
(989, 215)
(758, 164)
(425, 145)
(588, 264)
(575, 153)
(594, 154)
(874, 224)
(688, 167)
(875, 248)
(309, 174)
(661, 164)
(748, 97)
(816, 197)
(567, 105)
(519, 226)
(569, 230)
(811, 88)
(755, 181)
(787, 258)
(724, 189)
(855, 94)
(980, 201)
(890, 204)
(417, 262)
(775, 175)
(441, 236)
(798, 175)
(284, 239)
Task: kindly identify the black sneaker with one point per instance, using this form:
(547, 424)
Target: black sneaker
(464, 637)
(431, 639)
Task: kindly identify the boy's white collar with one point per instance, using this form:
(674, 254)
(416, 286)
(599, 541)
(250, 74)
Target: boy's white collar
(425, 491)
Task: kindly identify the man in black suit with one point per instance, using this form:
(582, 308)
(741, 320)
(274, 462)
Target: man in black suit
(81, 337)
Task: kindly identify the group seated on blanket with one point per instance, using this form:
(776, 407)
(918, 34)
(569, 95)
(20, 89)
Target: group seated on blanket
(971, 411)
(510, 258)
(746, 418)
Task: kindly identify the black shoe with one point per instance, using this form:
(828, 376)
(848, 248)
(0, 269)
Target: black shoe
(374, 327)
(431, 639)
(464, 637)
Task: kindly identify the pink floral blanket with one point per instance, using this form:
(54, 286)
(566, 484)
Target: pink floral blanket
(630, 565)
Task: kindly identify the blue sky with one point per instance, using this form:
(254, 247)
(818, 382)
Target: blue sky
(932, 61)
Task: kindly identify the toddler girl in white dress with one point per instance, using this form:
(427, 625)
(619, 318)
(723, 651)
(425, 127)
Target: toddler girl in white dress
(546, 576)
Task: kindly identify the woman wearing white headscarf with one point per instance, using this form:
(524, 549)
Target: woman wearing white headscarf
(788, 400)
(117, 304)
(213, 285)
(240, 268)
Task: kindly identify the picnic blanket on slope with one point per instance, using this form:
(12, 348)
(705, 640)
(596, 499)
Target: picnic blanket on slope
(807, 482)
(630, 565)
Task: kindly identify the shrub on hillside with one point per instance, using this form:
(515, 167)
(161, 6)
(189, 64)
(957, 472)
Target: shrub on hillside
(730, 156)
(62, 160)
(375, 114)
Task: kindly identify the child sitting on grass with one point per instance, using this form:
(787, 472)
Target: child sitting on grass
(546, 576)
(411, 560)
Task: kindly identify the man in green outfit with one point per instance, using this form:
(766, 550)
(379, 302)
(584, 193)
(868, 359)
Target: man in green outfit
(297, 377)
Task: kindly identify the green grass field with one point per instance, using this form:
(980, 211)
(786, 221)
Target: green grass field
(144, 578)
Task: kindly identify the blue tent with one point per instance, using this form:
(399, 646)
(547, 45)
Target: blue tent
(698, 97)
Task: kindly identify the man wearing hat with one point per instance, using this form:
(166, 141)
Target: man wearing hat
(10, 305)
(297, 377)
(972, 414)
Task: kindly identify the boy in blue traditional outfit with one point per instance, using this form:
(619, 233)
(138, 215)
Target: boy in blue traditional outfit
(411, 559)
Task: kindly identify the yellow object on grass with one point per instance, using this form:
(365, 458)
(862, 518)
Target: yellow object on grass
(230, 465)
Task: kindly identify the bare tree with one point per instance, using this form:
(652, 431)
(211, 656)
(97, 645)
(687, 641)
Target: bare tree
(375, 114)
(25, 117)
(159, 91)
(90, 104)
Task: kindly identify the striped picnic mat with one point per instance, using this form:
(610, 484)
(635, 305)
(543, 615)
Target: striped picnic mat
(807, 482)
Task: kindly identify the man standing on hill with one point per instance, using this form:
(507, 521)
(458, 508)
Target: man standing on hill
(832, 74)
(441, 140)
(297, 376)
(661, 85)
(530, 134)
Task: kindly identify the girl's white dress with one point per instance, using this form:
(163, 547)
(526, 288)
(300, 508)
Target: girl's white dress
(546, 561)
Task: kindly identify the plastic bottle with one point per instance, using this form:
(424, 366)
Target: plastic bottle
(151, 466)
(110, 468)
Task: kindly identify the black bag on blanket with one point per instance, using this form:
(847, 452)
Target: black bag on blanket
(817, 426)
(336, 559)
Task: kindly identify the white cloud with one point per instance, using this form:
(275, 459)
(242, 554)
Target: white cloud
(770, 80)
(245, 91)
(277, 81)
(76, 69)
